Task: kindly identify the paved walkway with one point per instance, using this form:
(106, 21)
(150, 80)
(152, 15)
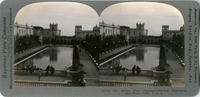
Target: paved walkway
(108, 75)
(23, 54)
(178, 76)
(43, 78)
(128, 78)
(89, 67)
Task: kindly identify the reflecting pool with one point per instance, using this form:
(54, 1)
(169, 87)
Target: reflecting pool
(144, 57)
(57, 57)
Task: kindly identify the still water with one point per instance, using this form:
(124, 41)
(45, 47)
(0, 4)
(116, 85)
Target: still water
(58, 57)
(144, 57)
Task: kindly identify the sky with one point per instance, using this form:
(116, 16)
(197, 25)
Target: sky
(65, 14)
(69, 14)
(153, 15)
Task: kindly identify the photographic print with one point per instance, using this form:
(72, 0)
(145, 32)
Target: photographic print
(53, 47)
(132, 44)
(99, 48)
(142, 44)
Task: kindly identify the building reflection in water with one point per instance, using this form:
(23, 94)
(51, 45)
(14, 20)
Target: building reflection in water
(111, 64)
(136, 57)
(28, 63)
(138, 53)
(52, 53)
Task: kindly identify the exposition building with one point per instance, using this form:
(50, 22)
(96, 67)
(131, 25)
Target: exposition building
(37, 33)
(81, 34)
(168, 34)
(22, 30)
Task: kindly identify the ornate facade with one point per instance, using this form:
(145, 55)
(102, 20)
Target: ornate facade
(64, 39)
(49, 35)
(81, 34)
(108, 29)
(168, 34)
(139, 31)
(22, 30)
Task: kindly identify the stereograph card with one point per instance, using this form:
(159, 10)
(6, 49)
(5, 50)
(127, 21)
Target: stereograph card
(125, 48)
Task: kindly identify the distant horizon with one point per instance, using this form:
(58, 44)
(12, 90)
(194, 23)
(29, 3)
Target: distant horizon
(154, 15)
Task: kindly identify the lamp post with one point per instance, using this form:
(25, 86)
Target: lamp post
(20, 47)
(32, 42)
(27, 45)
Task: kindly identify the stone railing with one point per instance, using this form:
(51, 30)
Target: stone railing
(114, 83)
(156, 83)
(143, 72)
(156, 74)
(23, 71)
(70, 83)
(27, 83)
(129, 72)
(66, 73)
(22, 83)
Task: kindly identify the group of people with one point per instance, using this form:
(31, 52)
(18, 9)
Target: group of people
(51, 69)
(116, 69)
(30, 69)
(48, 68)
(137, 69)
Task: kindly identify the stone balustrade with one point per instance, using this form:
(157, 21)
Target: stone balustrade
(114, 83)
(156, 74)
(22, 83)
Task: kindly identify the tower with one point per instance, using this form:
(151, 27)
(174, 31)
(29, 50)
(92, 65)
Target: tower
(140, 25)
(165, 27)
(53, 26)
(78, 28)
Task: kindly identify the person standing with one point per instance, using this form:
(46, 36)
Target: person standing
(39, 74)
(27, 68)
(80, 50)
(125, 74)
(138, 70)
(133, 70)
(52, 70)
(47, 70)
